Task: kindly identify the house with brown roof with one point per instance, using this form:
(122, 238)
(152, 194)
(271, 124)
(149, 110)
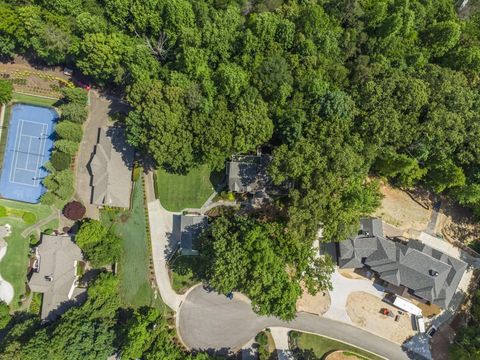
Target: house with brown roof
(111, 169)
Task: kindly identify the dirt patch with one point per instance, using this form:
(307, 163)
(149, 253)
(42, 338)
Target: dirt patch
(340, 355)
(317, 304)
(355, 274)
(428, 311)
(364, 311)
(399, 209)
(458, 223)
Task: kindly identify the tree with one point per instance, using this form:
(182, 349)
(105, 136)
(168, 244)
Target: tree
(74, 210)
(232, 79)
(60, 160)
(66, 146)
(445, 175)
(6, 90)
(74, 112)
(5, 316)
(441, 37)
(100, 246)
(75, 95)
(69, 131)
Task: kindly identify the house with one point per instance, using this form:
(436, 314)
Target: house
(55, 274)
(188, 231)
(248, 174)
(411, 268)
(111, 169)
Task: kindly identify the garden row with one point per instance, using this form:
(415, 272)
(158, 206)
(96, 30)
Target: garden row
(69, 132)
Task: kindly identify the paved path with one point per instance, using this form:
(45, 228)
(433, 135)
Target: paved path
(342, 288)
(54, 215)
(280, 338)
(208, 321)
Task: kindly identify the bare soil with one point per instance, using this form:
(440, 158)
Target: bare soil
(428, 311)
(364, 311)
(355, 274)
(399, 209)
(458, 223)
(317, 304)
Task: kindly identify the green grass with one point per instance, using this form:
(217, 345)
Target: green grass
(320, 346)
(133, 267)
(182, 273)
(13, 267)
(177, 192)
(34, 100)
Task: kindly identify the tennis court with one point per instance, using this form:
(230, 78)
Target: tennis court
(29, 144)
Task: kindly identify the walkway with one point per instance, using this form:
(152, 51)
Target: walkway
(208, 321)
(161, 225)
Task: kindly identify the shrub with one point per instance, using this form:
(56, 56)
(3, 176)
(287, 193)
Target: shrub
(75, 95)
(34, 240)
(3, 211)
(136, 173)
(4, 315)
(29, 217)
(74, 210)
(60, 160)
(6, 90)
(74, 112)
(48, 198)
(69, 131)
(66, 146)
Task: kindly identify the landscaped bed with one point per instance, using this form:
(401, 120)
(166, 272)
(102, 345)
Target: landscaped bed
(13, 267)
(177, 192)
(308, 346)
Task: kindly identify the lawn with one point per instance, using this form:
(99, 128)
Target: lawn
(133, 267)
(177, 192)
(182, 270)
(310, 346)
(13, 267)
(33, 100)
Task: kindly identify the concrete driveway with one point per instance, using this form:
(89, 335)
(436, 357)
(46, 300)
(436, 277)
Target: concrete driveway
(208, 321)
(342, 288)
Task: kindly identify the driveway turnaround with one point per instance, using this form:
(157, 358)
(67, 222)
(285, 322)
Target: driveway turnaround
(342, 288)
(208, 321)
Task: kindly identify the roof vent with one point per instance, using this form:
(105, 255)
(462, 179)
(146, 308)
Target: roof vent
(433, 273)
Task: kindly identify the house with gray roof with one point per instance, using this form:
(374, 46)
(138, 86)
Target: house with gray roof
(188, 230)
(111, 169)
(55, 274)
(248, 173)
(418, 269)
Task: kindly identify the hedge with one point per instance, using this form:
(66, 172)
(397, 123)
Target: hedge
(69, 131)
(60, 160)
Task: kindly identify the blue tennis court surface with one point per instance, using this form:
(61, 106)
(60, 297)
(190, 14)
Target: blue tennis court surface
(29, 144)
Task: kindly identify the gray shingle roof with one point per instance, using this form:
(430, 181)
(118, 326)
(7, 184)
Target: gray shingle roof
(56, 272)
(431, 274)
(111, 168)
(191, 227)
(247, 174)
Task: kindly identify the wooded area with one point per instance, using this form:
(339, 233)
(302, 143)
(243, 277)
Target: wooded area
(334, 89)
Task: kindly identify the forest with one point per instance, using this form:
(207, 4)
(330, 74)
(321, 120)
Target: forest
(335, 90)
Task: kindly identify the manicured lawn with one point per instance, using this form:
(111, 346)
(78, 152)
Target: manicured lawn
(182, 269)
(34, 100)
(13, 267)
(313, 346)
(133, 267)
(177, 192)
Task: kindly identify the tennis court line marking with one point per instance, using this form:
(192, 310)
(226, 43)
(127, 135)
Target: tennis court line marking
(17, 151)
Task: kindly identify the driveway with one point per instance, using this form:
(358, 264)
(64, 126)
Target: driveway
(100, 108)
(208, 321)
(342, 288)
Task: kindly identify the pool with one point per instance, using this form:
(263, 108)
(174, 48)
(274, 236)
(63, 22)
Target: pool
(29, 145)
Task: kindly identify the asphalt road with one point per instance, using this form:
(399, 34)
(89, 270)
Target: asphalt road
(208, 321)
